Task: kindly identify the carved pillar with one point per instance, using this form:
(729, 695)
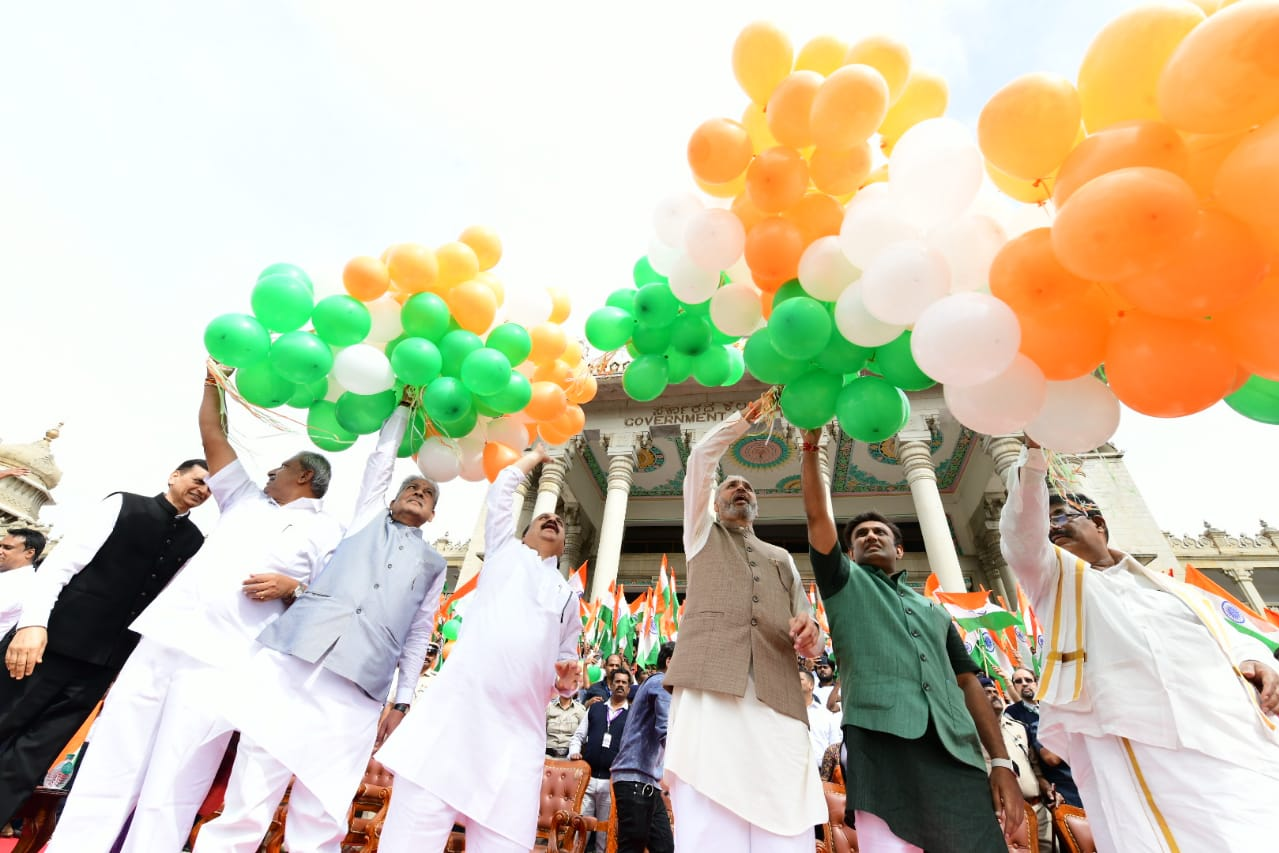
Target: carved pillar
(1251, 595)
(915, 452)
(621, 473)
(572, 539)
(551, 481)
(472, 562)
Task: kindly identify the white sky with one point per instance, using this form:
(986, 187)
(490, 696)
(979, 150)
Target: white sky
(156, 155)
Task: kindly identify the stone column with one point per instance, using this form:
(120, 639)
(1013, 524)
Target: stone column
(621, 473)
(572, 557)
(551, 481)
(1251, 595)
(472, 562)
(915, 453)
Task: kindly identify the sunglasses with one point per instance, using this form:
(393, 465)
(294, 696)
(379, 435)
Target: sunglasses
(1062, 517)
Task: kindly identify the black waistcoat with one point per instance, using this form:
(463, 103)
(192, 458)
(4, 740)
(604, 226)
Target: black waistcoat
(596, 754)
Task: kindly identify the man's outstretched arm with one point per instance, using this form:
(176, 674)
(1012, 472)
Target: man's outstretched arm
(217, 449)
(822, 535)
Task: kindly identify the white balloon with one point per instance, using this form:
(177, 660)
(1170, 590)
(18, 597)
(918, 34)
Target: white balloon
(1005, 404)
(662, 256)
(691, 283)
(872, 221)
(335, 389)
(739, 271)
(903, 280)
(385, 312)
(507, 431)
(472, 468)
(735, 308)
(969, 245)
(438, 460)
(671, 216)
(471, 444)
(965, 339)
(1078, 415)
(856, 324)
(714, 239)
(935, 171)
(527, 306)
(824, 269)
(363, 369)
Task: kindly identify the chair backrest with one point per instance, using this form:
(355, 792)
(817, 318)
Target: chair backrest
(1026, 838)
(563, 789)
(1071, 824)
(368, 809)
(838, 837)
(38, 818)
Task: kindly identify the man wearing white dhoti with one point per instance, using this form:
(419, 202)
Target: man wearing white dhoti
(1164, 713)
(206, 619)
(741, 769)
(472, 750)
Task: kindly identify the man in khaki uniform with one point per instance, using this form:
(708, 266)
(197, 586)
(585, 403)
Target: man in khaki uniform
(738, 758)
(1034, 787)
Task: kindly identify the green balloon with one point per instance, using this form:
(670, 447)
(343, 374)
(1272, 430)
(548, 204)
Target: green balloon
(304, 395)
(722, 338)
(485, 371)
(624, 299)
(678, 367)
(325, 431)
(594, 673)
(301, 357)
(450, 629)
(237, 340)
(800, 327)
(651, 340)
(511, 340)
(1257, 399)
(871, 409)
(842, 356)
(808, 401)
(736, 367)
(789, 290)
(262, 386)
(644, 274)
(460, 427)
(447, 400)
(417, 361)
(609, 328)
(645, 378)
(894, 362)
(282, 302)
(414, 434)
(656, 305)
(291, 270)
(513, 397)
(455, 347)
(425, 315)
(341, 320)
(690, 334)
(766, 364)
(365, 413)
(712, 367)
(698, 309)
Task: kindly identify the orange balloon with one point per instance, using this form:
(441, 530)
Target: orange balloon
(890, 58)
(789, 108)
(756, 124)
(1124, 223)
(817, 215)
(768, 286)
(485, 243)
(822, 54)
(1028, 277)
(839, 172)
(762, 56)
(496, 457)
(572, 355)
(447, 649)
(1132, 143)
(1247, 183)
(366, 278)
(549, 342)
(849, 107)
(719, 150)
(1168, 368)
(1224, 76)
(745, 210)
(491, 282)
(724, 190)
(773, 248)
(1205, 152)
(458, 263)
(547, 403)
(553, 371)
(414, 268)
(473, 305)
(582, 389)
(1249, 329)
(776, 179)
(551, 435)
(1215, 269)
(571, 422)
(561, 305)
(1038, 191)
(1067, 336)
(1028, 127)
(925, 96)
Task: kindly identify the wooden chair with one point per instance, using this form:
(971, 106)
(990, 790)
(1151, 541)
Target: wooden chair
(38, 815)
(364, 820)
(1070, 825)
(560, 823)
(837, 836)
(1026, 839)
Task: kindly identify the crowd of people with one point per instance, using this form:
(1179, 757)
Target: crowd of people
(314, 641)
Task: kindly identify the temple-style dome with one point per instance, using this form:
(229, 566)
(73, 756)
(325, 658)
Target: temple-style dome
(21, 498)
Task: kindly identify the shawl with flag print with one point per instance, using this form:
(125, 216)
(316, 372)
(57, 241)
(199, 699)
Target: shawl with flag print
(1239, 616)
(997, 639)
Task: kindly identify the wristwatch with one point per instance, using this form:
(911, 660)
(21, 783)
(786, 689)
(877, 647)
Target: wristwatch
(297, 590)
(1006, 763)
(402, 707)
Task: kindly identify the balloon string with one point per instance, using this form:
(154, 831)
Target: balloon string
(1064, 472)
(274, 420)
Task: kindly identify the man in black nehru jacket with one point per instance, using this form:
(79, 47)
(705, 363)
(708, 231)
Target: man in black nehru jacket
(73, 636)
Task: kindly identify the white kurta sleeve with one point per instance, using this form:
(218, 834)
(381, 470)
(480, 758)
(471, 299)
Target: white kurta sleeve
(377, 471)
(1023, 525)
(67, 560)
(413, 655)
(699, 479)
(500, 518)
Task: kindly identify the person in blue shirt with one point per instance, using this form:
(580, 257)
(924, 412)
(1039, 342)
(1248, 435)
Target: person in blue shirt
(642, 819)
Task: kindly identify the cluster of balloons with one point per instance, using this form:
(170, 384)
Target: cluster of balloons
(1162, 162)
(490, 370)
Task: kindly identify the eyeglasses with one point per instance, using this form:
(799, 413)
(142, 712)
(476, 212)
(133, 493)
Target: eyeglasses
(1023, 681)
(1062, 517)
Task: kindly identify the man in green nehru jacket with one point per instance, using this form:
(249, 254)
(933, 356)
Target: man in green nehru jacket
(912, 706)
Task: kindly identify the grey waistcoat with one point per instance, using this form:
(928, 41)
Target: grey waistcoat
(362, 606)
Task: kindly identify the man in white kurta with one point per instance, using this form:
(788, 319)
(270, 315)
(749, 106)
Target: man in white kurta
(206, 619)
(473, 748)
(742, 775)
(1165, 714)
(18, 552)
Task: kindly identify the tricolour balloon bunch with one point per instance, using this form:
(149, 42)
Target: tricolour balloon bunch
(491, 369)
(1162, 161)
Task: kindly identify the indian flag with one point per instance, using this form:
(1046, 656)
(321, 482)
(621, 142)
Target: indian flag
(1237, 615)
(976, 610)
